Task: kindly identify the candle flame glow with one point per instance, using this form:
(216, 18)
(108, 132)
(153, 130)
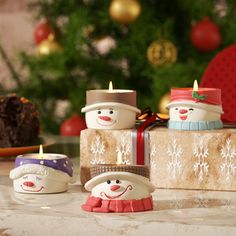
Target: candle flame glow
(119, 158)
(41, 151)
(195, 85)
(110, 86)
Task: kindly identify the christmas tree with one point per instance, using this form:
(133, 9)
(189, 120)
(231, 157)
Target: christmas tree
(149, 46)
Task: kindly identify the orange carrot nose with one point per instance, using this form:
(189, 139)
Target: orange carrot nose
(28, 184)
(114, 187)
(106, 118)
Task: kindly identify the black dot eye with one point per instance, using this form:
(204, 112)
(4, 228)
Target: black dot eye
(108, 181)
(190, 109)
(118, 181)
(99, 112)
(111, 112)
(176, 108)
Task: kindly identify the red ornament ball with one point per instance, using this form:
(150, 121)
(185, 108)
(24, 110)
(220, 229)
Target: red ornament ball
(42, 31)
(72, 126)
(205, 35)
(221, 73)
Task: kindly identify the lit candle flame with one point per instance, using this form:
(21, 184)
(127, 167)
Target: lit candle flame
(110, 86)
(119, 158)
(41, 151)
(195, 85)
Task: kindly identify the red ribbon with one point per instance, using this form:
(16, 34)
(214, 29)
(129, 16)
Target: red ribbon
(150, 119)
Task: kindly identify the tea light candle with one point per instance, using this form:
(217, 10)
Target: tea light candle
(110, 108)
(42, 173)
(119, 188)
(119, 191)
(195, 108)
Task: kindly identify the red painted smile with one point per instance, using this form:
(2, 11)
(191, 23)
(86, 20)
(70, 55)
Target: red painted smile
(108, 123)
(35, 191)
(129, 187)
(183, 117)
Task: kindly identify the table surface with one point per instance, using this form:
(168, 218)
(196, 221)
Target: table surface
(176, 212)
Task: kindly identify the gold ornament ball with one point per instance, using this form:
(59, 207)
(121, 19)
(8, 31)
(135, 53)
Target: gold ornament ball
(124, 11)
(160, 53)
(163, 103)
(48, 46)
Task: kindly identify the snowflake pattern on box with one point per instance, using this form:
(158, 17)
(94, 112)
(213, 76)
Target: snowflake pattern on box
(174, 166)
(153, 159)
(228, 168)
(201, 202)
(176, 203)
(200, 152)
(123, 150)
(97, 149)
(227, 204)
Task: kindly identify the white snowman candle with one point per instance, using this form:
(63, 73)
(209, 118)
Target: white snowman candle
(110, 108)
(125, 189)
(195, 109)
(42, 173)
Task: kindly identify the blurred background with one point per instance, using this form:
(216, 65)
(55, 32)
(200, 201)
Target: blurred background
(52, 51)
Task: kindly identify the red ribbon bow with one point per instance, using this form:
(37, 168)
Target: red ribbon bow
(149, 119)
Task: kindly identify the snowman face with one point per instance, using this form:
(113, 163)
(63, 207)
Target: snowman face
(188, 113)
(30, 183)
(34, 183)
(120, 189)
(110, 118)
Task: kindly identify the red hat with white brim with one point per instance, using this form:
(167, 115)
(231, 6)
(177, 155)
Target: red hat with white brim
(205, 98)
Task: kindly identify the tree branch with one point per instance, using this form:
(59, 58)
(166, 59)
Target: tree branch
(10, 67)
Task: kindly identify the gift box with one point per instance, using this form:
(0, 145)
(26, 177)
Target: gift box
(193, 160)
(107, 147)
(203, 160)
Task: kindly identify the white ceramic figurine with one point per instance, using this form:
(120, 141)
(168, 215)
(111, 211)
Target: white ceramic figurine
(119, 192)
(195, 110)
(32, 175)
(110, 109)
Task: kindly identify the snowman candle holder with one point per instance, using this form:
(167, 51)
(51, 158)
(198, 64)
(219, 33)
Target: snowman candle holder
(195, 108)
(110, 108)
(119, 188)
(42, 173)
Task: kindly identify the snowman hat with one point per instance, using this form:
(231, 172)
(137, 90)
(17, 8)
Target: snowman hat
(118, 175)
(39, 170)
(110, 104)
(205, 98)
(61, 163)
(125, 99)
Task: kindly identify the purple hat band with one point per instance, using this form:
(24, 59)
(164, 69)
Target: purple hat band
(60, 162)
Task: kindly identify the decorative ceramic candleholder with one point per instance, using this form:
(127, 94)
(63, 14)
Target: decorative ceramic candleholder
(119, 188)
(195, 109)
(110, 109)
(36, 174)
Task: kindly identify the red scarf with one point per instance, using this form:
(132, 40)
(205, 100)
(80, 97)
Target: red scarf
(96, 204)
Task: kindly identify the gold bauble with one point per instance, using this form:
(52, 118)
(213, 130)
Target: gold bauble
(165, 100)
(48, 46)
(160, 53)
(124, 11)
